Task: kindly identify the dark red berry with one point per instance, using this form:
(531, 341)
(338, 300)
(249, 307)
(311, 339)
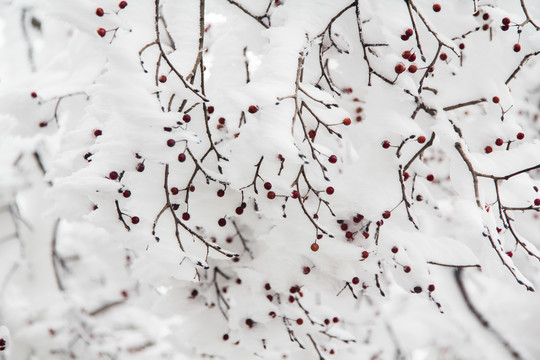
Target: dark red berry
(225, 337)
(536, 202)
(174, 190)
(430, 177)
(253, 109)
(101, 32)
(431, 288)
(329, 190)
(140, 167)
(122, 4)
(250, 323)
(186, 118)
(220, 193)
(33, 94)
(404, 37)
(406, 54)
(267, 185)
(182, 157)
(271, 195)
(417, 289)
(412, 57)
(496, 99)
(436, 7)
(314, 247)
(505, 27)
(239, 210)
(499, 142)
(162, 79)
(171, 142)
(517, 47)
(295, 194)
(520, 136)
(306, 270)
(299, 321)
(222, 222)
(462, 46)
(332, 159)
(135, 219)
(409, 32)
(335, 319)
(365, 254)
(210, 109)
(126, 193)
(421, 139)
(443, 56)
(407, 269)
(413, 68)
(386, 214)
(355, 280)
(506, 21)
(488, 149)
(113, 175)
(347, 121)
(267, 287)
(385, 144)
(399, 68)
(99, 12)
(186, 216)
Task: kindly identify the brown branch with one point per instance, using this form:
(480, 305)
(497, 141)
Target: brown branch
(529, 19)
(454, 266)
(468, 103)
(55, 257)
(525, 59)
(255, 17)
(420, 152)
(483, 321)
(315, 346)
(120, 215)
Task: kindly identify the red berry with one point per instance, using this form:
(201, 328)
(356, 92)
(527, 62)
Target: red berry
(506, 21)
(537, 202)
(443, 56)
(140, 167)
(135, 220)
(485, 27)
(365, 234)
(99, 12)
(488, 149)
(225, 337)
(386, 214)
(332, 159)
(399, 68)
(517, 47)
(186, 216)
(312, 134)
(412, 57)
(395, 249)
(239, 210)
(271, 195)
(97, 133)
(349, 235)
(174, 190)
(365, 254)
(430, 177)
(496, 99)
(421, 139)
(113, 175)
(505, 27)
(122, 4)
(407, 269)
(509, 253)
(250, 323)
(431, 288)
(385, 144)
(520, 136)
(186, 118)
(413, 68)
(409, 32)
(267, 185)
(291, 298)
(335, 319)
(299, 321)
(344, 226)
(210, 109)
(485, 16)
(221, 120)
(33, 94)
(101, 32)
(220, 193)
(267, 287)
(162, 79)
(272, 314)
(171, 143)
(295, 194)
(222, 222)
(347, 121)
(43, 124)
(355, 280)
(253, 109)
(462, 46)
(306, 270)
(499, 142)
(405, 176)
(417, 289)
(419, 198)
(406, 54)
(182, 157)
(404, 37)
(329, 190)
(436, 7)
(314, 247)
(126, 193)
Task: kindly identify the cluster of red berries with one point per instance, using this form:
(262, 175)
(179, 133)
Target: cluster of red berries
(100, 12)
(408, 33)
